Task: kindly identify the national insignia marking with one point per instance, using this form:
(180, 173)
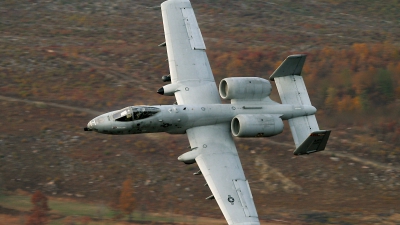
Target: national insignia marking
(231, 199)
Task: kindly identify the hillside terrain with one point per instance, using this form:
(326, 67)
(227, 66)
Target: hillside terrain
(64, 62)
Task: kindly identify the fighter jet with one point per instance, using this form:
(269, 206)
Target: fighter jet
(210, 125)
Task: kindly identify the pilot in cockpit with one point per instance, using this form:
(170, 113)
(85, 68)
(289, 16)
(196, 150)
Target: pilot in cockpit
(135, 113)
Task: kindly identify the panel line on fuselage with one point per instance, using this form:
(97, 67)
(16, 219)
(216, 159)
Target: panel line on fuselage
(176, 119)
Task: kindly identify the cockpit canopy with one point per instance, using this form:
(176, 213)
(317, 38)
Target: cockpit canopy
(135, 113)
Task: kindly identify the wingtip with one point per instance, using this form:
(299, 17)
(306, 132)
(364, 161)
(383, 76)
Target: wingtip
(297, 55)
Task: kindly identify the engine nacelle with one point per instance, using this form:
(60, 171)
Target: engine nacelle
(256, 125)
(244, 88)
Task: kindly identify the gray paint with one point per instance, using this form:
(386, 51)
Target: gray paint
(208, 123)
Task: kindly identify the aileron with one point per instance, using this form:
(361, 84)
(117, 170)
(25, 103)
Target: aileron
(193, 30)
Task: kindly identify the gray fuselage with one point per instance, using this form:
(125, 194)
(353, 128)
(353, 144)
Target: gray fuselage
(176, 119)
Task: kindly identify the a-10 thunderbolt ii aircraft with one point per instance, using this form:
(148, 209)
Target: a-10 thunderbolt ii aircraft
(209, 124)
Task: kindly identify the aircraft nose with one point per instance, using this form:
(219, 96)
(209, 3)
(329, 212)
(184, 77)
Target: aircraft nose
(97, 124)
(90, 126)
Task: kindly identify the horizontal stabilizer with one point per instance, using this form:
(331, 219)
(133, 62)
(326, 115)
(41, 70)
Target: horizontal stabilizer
(314, 143)
(301, 127)
(292, 90)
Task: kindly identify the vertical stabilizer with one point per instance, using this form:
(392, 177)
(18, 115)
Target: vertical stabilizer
(291, 87)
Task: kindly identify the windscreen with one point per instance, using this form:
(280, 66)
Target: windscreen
(135, 113)
(123, 115)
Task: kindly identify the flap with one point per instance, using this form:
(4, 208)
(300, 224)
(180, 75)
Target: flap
(243, 189)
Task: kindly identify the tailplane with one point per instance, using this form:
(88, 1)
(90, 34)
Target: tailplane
(292, 90)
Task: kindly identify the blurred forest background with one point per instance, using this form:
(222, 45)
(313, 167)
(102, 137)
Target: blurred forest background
(64, 62)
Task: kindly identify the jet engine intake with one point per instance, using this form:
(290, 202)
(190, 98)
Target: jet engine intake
(256, 125)
(244, 88)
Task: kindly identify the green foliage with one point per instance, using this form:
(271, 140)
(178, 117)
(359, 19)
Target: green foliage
(385, 84)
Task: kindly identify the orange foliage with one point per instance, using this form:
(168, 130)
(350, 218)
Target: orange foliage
(39, 211)
(127, 202)
(362, 75)
(347, 103)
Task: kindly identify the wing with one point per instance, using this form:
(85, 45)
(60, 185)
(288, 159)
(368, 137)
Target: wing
(220, 164)
(190, 70)
(188, 62)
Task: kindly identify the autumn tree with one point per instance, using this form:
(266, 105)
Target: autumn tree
(40, 209)
(127, 202)
(1, 187)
